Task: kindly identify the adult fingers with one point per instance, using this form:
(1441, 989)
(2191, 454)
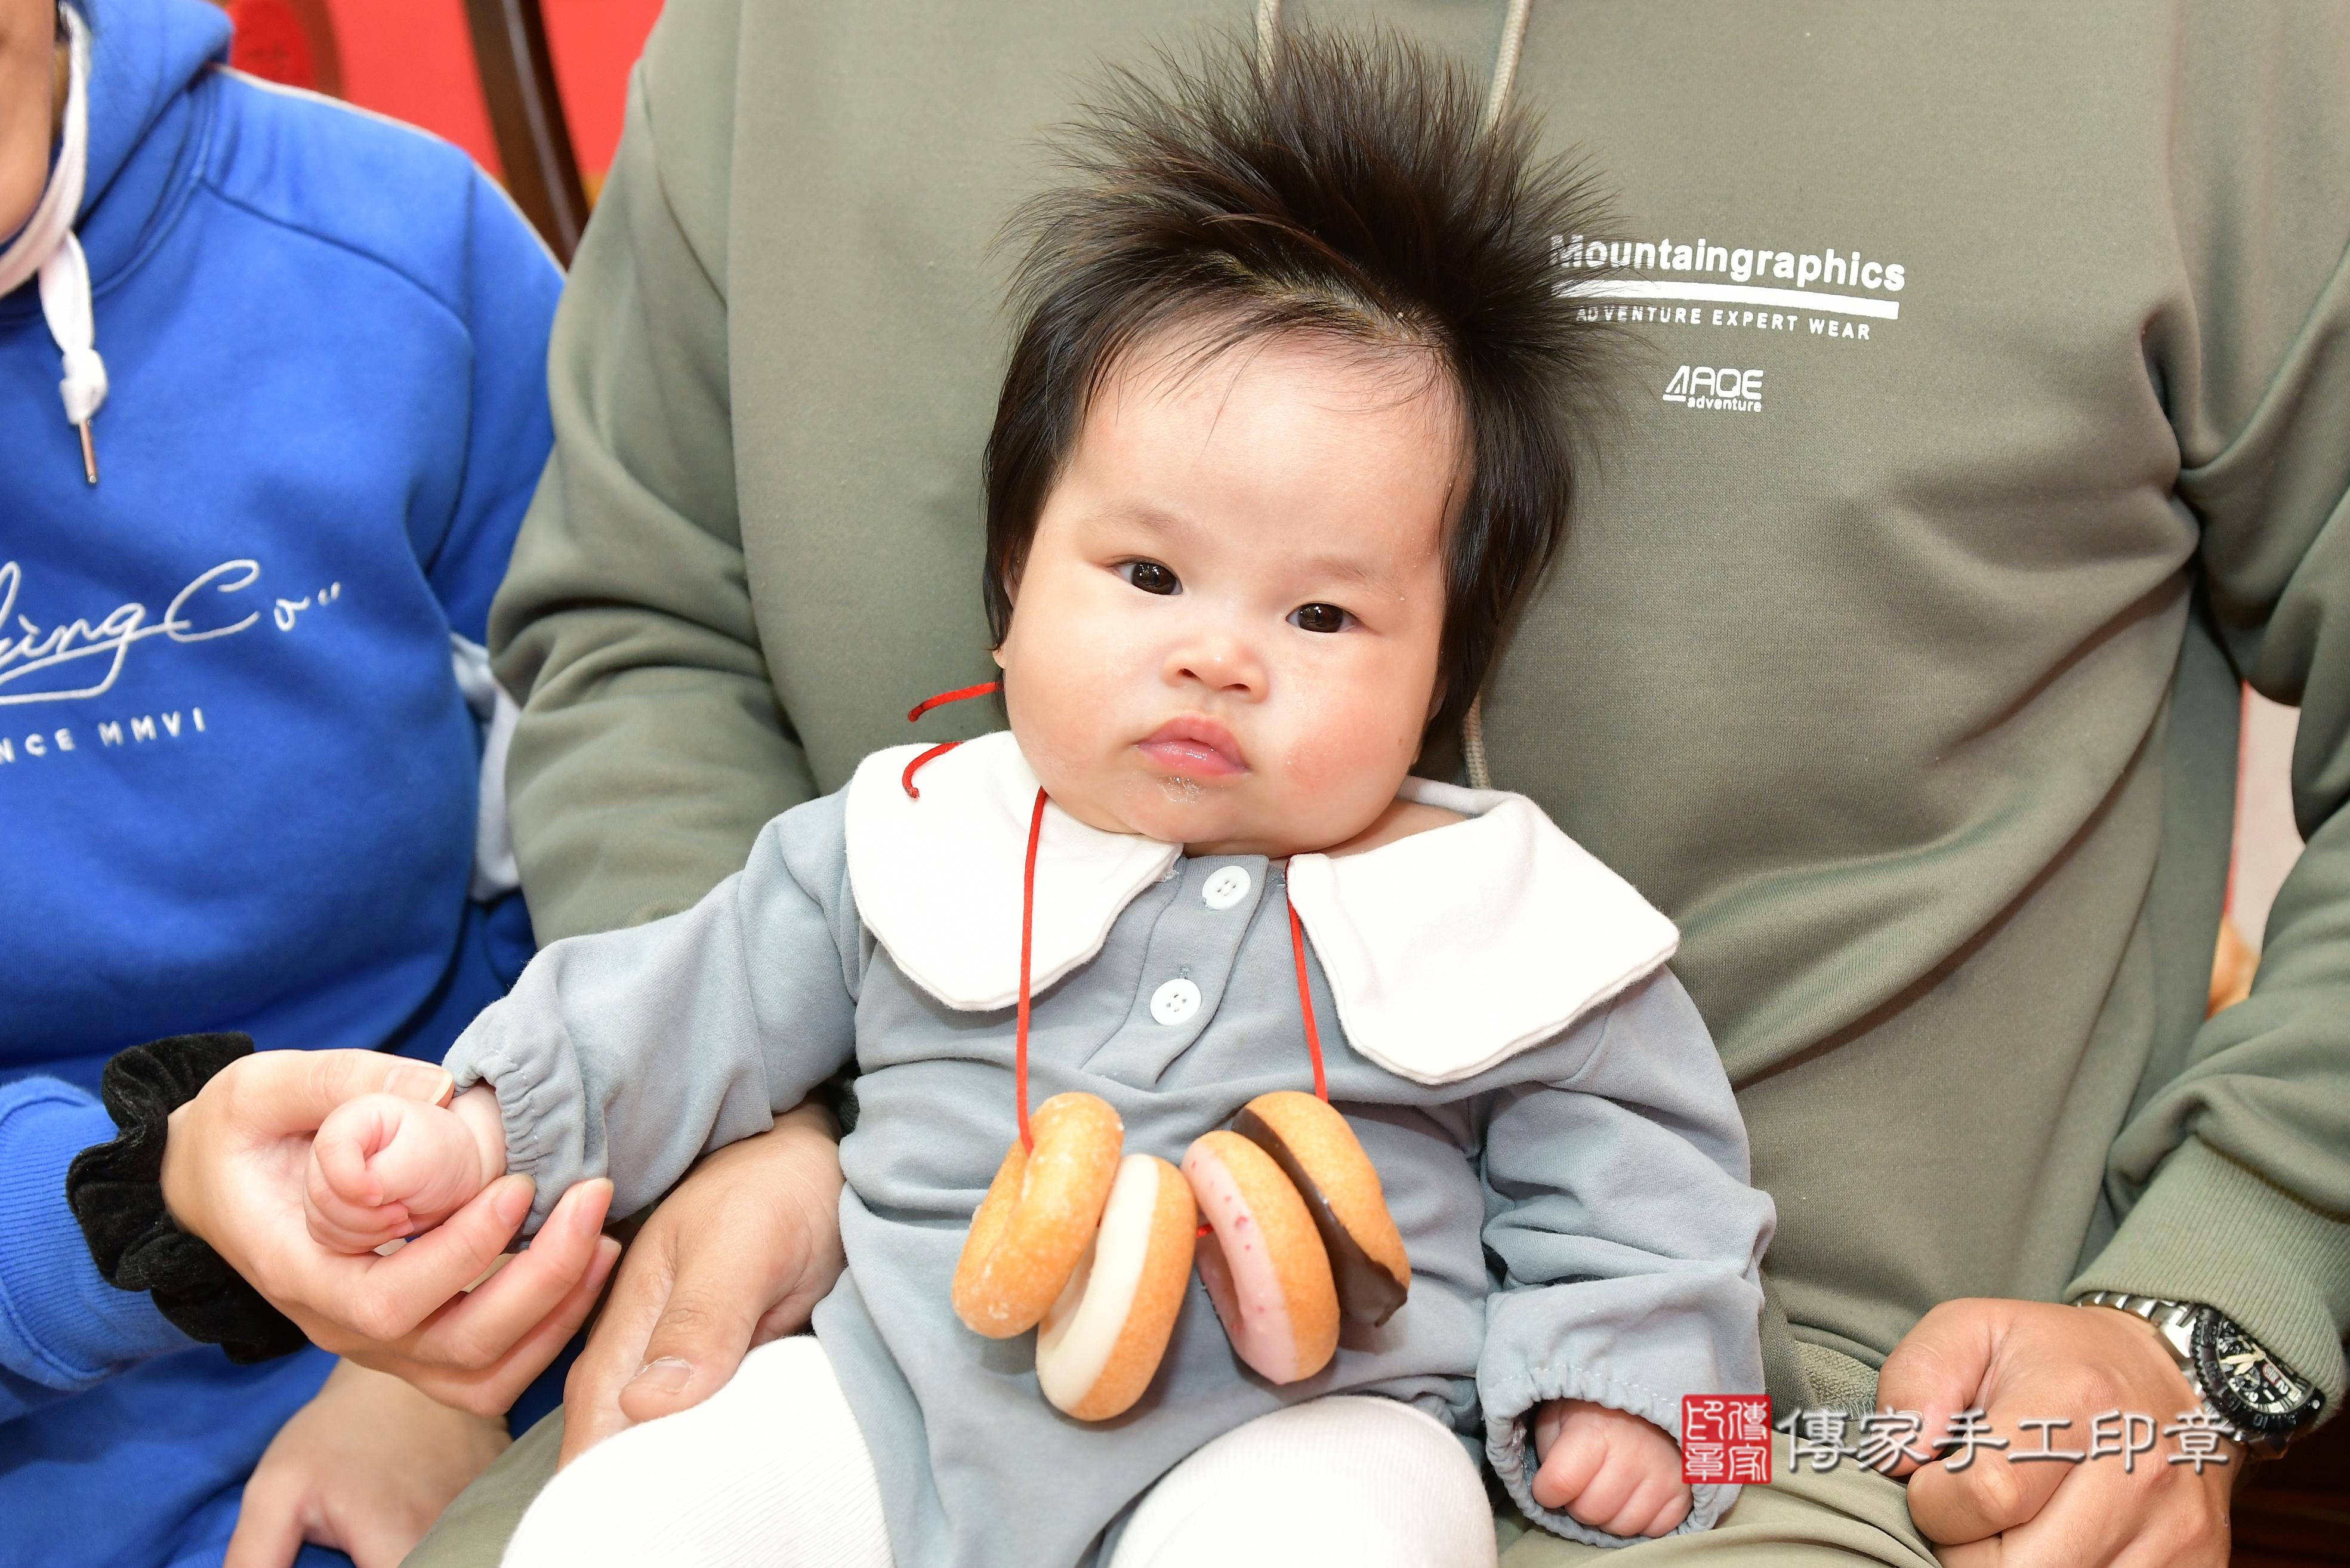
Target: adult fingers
(503, 1384)
(428, 1273)
(483, 1327)
(1991, 1495)
(496, 1378)
(494, 1391)
(704, 1329)
(1942, 1366)
(356, 1303)
(269, 1527)
(276, 1093)
(616, 1349)
(2104, 1516)
(2075, 1530)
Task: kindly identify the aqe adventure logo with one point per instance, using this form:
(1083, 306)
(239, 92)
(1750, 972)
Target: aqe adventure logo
(1718, 389)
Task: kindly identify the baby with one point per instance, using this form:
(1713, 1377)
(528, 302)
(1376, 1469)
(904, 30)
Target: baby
(1284, 443)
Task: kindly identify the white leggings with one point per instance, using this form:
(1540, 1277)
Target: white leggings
(1369, 1483)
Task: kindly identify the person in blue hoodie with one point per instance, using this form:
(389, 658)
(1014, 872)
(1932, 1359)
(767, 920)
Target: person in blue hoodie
(272, 403)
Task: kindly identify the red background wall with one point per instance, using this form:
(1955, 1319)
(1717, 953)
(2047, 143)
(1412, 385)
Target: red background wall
(414, 59)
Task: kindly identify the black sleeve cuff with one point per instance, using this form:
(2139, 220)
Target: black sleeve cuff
(116, 1192)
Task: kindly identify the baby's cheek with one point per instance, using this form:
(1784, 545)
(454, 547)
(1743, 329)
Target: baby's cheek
(1353, 741)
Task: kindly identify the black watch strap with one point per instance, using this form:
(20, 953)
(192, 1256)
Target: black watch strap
(116, 1192)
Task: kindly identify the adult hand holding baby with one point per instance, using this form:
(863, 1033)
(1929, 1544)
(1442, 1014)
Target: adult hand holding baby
(235, 1174)
(737, 1255)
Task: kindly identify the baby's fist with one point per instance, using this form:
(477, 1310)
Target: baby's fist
(1610, 1470)
(382, 1167)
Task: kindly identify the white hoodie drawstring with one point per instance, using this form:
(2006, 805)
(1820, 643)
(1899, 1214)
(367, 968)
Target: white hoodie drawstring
(47, 247)
(1505, 75)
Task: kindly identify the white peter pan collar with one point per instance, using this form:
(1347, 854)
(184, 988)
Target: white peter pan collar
(938, 879)
(1448, 951)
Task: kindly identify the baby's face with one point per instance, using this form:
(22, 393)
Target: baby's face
(1226, 632)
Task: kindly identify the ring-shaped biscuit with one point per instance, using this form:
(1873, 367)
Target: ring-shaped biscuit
(1101, 1343)
(1319, 1153)
(1039, 1216)
(1263, 1264)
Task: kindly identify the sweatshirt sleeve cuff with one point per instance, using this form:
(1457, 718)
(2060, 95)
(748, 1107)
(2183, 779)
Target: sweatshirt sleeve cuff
(1510, 1399)
(2208, 1229)
(61, 1324)
(540, 1094)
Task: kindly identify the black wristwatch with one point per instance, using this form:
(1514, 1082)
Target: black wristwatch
(2249, 1392)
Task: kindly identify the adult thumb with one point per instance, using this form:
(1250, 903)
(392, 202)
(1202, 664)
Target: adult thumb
(1942, 1366)
(701, 1339)
(282, 1091)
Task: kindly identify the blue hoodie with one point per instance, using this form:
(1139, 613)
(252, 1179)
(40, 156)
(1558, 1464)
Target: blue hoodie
(237, 775)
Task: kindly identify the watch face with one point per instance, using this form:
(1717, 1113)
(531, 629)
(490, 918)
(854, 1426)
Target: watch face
(2245, 1382)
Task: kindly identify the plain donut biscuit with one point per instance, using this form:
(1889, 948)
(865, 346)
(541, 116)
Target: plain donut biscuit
(1039, 1216)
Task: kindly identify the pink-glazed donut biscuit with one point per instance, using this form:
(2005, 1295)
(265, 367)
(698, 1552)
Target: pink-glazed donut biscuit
(1263, 1263)
(1101, 1343)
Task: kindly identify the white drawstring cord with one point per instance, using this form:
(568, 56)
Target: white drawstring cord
(1505, 62)
(47, 247)
(1473, 743)
(65, 305)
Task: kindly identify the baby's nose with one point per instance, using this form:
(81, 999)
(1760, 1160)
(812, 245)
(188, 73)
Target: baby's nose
(1221, 663)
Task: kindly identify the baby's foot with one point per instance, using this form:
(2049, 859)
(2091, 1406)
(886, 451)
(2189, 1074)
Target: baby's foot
(1610, 1470)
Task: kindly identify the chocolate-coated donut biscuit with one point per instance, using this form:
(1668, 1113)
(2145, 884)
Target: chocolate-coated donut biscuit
(1323, 1159)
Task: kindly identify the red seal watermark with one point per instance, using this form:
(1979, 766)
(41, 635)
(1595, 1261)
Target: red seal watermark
(1726, 1439)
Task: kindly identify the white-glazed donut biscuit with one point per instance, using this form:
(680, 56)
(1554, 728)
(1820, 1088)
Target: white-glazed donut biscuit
(1101, 1343)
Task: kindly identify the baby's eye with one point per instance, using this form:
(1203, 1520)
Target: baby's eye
(1319, 617)
(1150, 576)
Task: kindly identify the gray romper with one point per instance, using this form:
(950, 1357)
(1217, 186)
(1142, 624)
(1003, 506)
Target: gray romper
(1549, 1119)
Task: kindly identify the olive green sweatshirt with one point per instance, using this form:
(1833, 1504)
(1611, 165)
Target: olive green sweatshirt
(1993, 420)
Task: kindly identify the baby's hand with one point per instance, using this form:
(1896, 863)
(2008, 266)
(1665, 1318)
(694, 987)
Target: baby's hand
(1607, 1469)
(382, 1168)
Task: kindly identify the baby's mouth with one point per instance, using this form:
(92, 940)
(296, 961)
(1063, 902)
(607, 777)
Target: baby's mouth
(1195, 748)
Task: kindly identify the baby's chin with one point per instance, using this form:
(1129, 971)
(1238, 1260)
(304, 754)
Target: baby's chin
(1209, 816)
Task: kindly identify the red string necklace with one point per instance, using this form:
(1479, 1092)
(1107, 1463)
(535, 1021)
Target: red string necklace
(1028, 924)
(924, 706)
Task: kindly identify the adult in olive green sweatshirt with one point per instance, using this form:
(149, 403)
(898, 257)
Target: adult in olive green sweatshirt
(1994, 420)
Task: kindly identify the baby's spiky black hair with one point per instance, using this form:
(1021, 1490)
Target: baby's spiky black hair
(1339, 185)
